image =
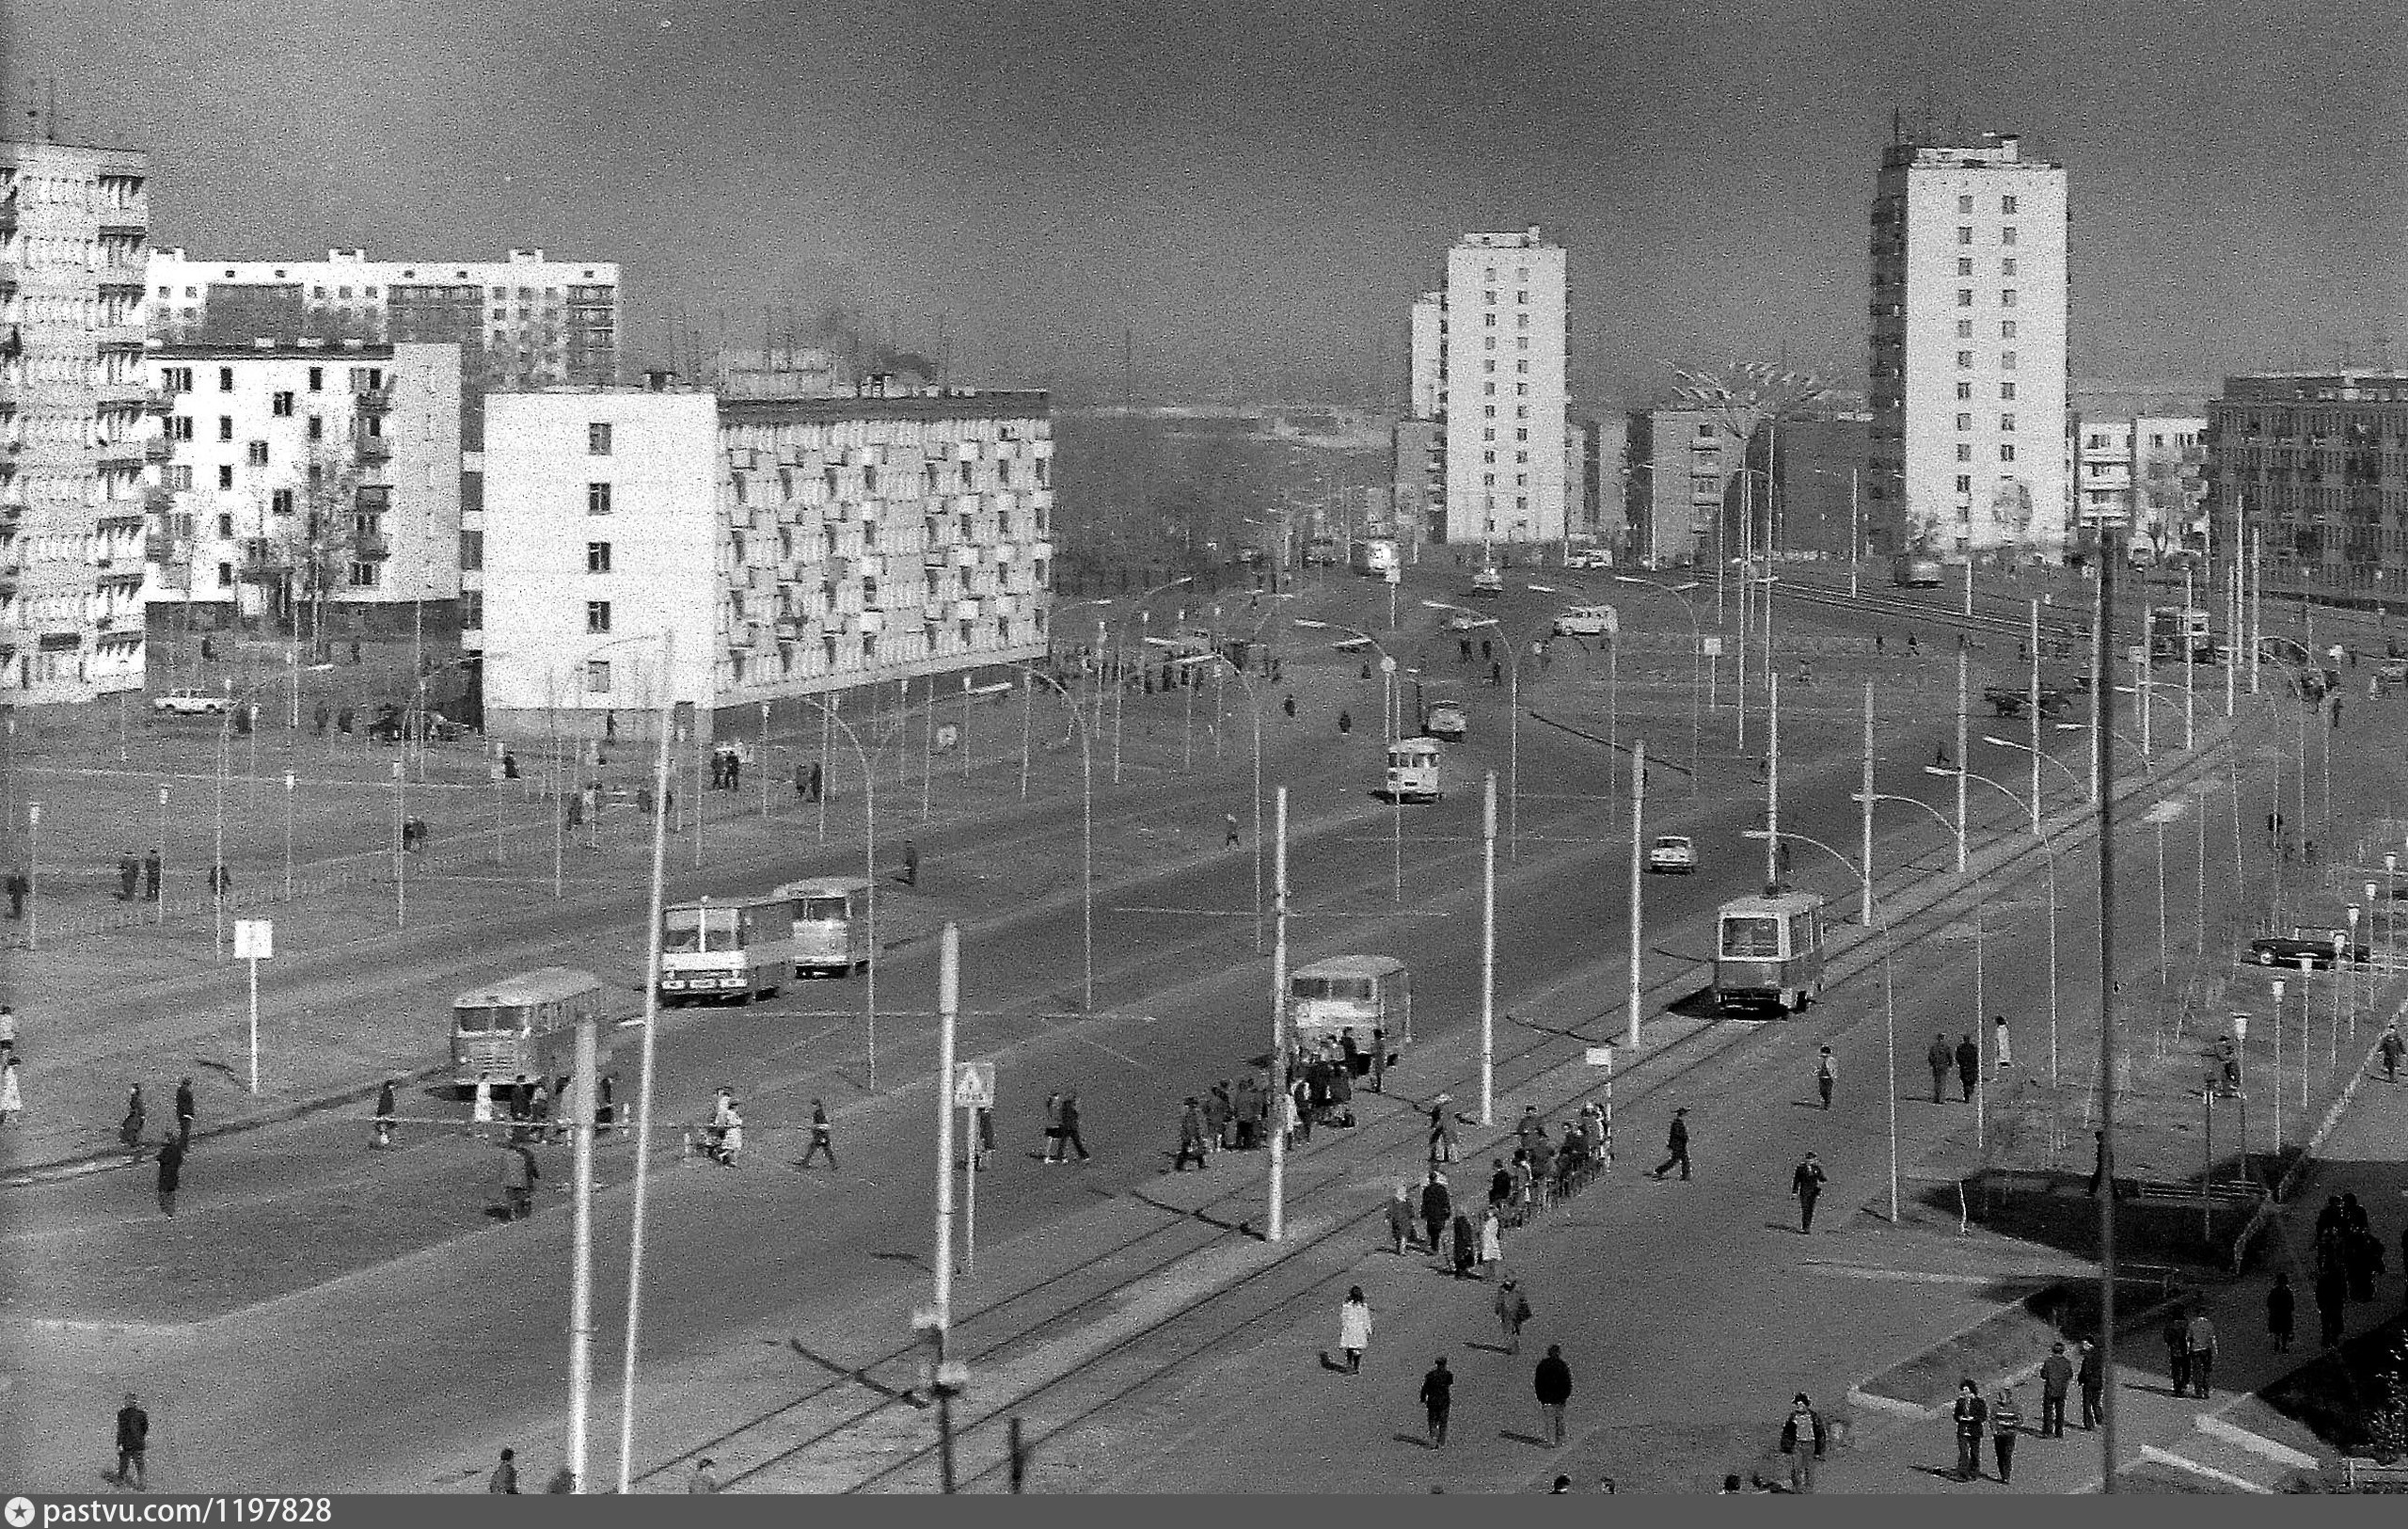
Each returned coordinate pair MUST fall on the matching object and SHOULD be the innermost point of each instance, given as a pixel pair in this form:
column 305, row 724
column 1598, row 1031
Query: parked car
column 1586, row 621
column 1447, row 723
column 1487, row 584
column 2316, row 944
column 1464, row 621
column 1589, row 557
column 1671, row 854
column 190, row 703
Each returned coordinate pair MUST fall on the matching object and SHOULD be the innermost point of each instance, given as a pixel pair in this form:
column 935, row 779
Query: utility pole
column 1864, row 819
column 1964, row 664
column 2034, row 642
column 1773, row 785
column 1488, row 950
column 1638, row 859
column 1277, row 1219
column 2103, row 689
column 580, row 1301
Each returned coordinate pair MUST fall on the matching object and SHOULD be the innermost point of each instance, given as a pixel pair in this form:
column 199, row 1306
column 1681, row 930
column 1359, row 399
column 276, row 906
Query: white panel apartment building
column 74, row 229
column 1969, row 363
column 524, row 321
column 305, row 481
column 791, row 547
column 1487, row 358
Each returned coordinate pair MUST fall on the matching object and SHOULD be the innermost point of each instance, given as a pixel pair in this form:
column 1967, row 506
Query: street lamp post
column 869, row 869
column 1396, row 799
column 1254, row 705
column 2049, row 854
column 1087, row 843
column 1697, row 655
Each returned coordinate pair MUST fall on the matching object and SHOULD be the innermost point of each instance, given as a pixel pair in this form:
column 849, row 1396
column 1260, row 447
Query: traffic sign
column 1387, row 665
column 2136, row 655
column 254, row 939
column 974, row 1085
column 1713, row 646
column 1600, row 1056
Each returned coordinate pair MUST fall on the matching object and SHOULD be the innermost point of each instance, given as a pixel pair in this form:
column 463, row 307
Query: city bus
column 1413, row 770
column 524, row 1025
column 1360, row 993
column 1915, row 570
column 733, row 949
column 1768, row 953
column 831, row 925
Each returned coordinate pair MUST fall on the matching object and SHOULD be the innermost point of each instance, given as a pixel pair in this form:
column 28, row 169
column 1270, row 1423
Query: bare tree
column 302, row 554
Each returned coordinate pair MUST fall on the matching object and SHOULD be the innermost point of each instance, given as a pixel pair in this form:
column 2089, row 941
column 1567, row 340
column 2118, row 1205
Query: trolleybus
column 1768, row 952
column 735, row 948
column 832, row 924
column 1362, row 993
column 524, row 1026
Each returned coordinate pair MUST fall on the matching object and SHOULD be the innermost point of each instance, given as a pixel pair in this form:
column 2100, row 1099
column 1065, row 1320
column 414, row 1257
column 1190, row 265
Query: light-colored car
column 1446, row 722
column 1671, row 854
column 1592, row 557
column 189, row 703
column 1488, row 583
column 1464, row 621
column 1586, row 621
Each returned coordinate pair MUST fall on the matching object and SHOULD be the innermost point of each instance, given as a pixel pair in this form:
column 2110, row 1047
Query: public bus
column 1362, row 993
column 737, row 947
column 1915, row 570
column 1413, row 770
column 831, row 925
column 524, row 1025
column 1768, row 953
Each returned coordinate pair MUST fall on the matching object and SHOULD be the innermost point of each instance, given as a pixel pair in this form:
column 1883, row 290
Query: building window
column 177, row 378
column 1964, row 296
column 597, row 677
column 226, row 528
column 2006, row 421
column 2007, row 267
column 317, row 428
column 597, row 440
column 1964, row 329
column 598, row 557
column 180, row 479
column 1965, row 204
column 259, row 454
column 1964, row 482
column 225, row 379
column 1964, row 421
column 225, row 576
column 1965, row 266
column 2007, row 329
column 2006, row 235
column 598, row 498
column 597, row 616
column 363, row 575
column 1964, row 357
column 473, row 551
column 224, row 427
column 2007, row 391
column 281, row 405
column 317, row 380
column 2007, row 452
column 2006, row 205
column 1964, row 389
column 2007, row 359
column 1964, row 451
column 180, row 428
column 2006, row 298
column 225, row 475
column 1964, row 234
column 1488, row 319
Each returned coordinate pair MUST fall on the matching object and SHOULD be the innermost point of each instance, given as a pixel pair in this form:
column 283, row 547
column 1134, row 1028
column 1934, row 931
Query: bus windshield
column 477, row 1021
column 821, row 910
column 1353, row 989
column 686, row 930
column 1757, row 937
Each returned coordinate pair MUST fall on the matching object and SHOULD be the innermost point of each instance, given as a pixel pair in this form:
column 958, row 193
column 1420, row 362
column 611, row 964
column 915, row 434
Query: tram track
column 1295, row 1274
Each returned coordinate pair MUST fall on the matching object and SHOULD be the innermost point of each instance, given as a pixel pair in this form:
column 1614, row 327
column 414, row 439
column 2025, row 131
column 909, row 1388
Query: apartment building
column 2317, row 466
column 74, row 233
column 1486, row 365
column 314, row 485
column 788, row 547
column 1968, row 350
column 2145, row 476
column 524, row 321
column 1677, row 466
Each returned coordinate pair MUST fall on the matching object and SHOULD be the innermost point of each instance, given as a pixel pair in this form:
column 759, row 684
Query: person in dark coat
column 2281, row 1306
column 1676, row 1145
column 1345, row 722
column 2091, row 1375
column 1552, row 1384
column 129, row 1129
column 171, row 1170
column 184, row 1111
column 1400, row 1217
column 1969, row 1067
column 1970, row 1415
column 1940, row 1056
column 1806, row 1184
column 133, row 1441
column 1070, row 1141
column 1501, row 1184
column 1466, row 1245
column 910, row 864
column 128, row 876
column 385, row 1112
column 1436, row 1206
column 150, row 877
column 1191, row 1138
column 2177, row 1352
column 1437, row 1400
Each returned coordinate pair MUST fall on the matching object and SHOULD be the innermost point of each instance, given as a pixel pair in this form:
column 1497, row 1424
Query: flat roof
column 1783, row 902
column 279, row 349
column 1350, row 966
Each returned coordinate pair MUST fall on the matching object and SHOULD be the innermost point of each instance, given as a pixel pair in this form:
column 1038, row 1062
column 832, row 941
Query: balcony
column 158, row 449
column 374, row 447
column 159, row 400
column 159, row 549
column 372, row 547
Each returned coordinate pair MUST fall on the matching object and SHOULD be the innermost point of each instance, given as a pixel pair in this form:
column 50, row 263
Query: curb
column 2245, row 1243
column 2152, row 1454
column 1855, row 1391
column 2214, row 1427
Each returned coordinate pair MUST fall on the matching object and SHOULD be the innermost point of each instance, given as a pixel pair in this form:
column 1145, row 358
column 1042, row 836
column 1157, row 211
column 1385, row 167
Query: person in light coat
column 1492, row 1242
column 1354, row 1329
column 13, row 1101
column 481, row 1103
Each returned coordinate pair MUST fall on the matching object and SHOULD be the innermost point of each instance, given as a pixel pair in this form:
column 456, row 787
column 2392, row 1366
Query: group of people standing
column 1239, row 1117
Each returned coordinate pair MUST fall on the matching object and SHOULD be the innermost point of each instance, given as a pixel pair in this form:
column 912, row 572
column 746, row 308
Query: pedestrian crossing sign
column 974, row 1086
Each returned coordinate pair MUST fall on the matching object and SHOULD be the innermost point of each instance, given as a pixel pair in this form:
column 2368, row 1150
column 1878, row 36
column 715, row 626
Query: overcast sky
column 1266, row 185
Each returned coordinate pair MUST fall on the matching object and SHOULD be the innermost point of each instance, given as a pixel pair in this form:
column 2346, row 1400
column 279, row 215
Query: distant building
column 793, row 547
column 74, row 232
column 1487, row 366
column 524, row 321
column 2145, row 477
column 1677, row 464
column 2313, row 464
column 1969, row 371
column 1815, row 462
column 1417, row 480
column 1580, row 479
column 315, row 485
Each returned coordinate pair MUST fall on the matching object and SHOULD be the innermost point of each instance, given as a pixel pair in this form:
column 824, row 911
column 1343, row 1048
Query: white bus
column 524, row 1027
column 832, row 924
column 1360, row 993
column 735, row 948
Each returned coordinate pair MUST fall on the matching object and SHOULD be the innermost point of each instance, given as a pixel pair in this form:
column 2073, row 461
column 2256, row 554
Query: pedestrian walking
column 2006, row 1423
column 2056, row 1383
column 1970, row 1416
column 150, row 877
column 385, row 1106
column 128, row 876
column 2391, row 1045
column 1941, row 1059
column 2202, row 1338
column 704, row 1481
column 1190, row 1138
column 1492, row 1242
column 1354, row 1329
column 1552, row 1382
column 1806, row 1183
column 1053, row 1127
column 133, row 1441
column 505, row 1476
column 1437, row 1400
column 1070, row 1139
column 128, row 1130
column 12, row 1099
column 1802, row 1440
column 1345, row 722
column 518, row 1176
column 1676, row 1145
column 1512, row 1310
column 18, row 888
column 1401, row 1218
column 171, row 1174
column 2331, row 1297
column 2177, row 1353
column 2003, row 1050
column 185, row 1110
column 2281, row 1312
column 1229, row 826
column 1437, row 1205
column 1969, row 1068
column 7, row 1029
column 822, row 1137
column 2091, row 1375
column 1827, row 1075
column 910, row 864
column 1466, row 1244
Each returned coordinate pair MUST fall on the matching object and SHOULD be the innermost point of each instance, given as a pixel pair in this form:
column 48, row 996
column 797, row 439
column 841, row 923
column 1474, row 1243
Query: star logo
column 20, row 1512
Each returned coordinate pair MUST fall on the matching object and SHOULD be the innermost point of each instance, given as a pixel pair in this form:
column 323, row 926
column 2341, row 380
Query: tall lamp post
column 1696, row 654
column 1086, row 841
column 869, row 870
column 1254, row 705
column 1389, row 673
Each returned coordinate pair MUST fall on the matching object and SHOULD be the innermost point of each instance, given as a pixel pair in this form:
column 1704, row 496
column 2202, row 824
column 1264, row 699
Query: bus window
column 1359, row 991
column 476, row 1021
column 1309, row 987
column 1801, row 932
column 824, row 910
column 1758, row 938
column 681, row 931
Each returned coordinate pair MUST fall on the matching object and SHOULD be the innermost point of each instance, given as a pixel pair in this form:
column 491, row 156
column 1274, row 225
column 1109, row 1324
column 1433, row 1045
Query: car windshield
column 819, row 909
column 1672, row 843
column 1751, row 937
